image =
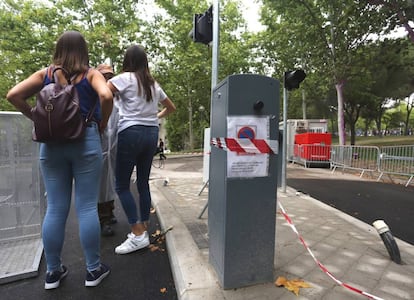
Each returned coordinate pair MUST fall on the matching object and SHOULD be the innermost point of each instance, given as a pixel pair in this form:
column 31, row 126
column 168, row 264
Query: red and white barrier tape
column 244, row 145
column 321, row 266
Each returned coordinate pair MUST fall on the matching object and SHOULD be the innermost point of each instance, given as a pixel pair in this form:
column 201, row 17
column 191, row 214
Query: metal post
column 214, row 67
column 190, row 119
column 303, row 104
column 284, row 148
column 216, row 40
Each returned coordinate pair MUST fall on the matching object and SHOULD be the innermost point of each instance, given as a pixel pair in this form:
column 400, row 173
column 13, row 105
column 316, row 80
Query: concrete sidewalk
column 351, row 250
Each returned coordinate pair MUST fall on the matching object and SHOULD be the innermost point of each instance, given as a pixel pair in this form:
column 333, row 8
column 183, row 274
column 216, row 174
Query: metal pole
column 214, row 68
column 284, row 145
column 303, row 104
column 190, row 118
column 216, row 39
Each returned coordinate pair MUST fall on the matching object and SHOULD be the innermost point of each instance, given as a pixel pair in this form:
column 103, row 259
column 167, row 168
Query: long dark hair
column 136, row 61
column 71, row 52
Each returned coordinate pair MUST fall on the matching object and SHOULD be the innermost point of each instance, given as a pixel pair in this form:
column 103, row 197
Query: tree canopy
column 351, row 69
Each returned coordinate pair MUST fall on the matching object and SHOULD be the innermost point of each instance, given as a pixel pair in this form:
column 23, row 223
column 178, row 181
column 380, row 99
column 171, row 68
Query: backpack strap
column 53, row 77
column 76, row 75
column 49, row 73
column 89, row 116
column 68, row 78
column 85, row 74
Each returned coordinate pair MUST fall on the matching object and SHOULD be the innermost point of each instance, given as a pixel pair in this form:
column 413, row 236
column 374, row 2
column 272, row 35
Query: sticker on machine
column 245, row 129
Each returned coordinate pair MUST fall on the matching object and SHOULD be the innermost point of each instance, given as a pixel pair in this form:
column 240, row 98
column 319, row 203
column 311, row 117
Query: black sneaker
column 53, row 278
column 93, row 278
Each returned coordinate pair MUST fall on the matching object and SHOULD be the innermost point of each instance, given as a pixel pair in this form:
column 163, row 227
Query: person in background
column 161, row 149
column 107, row 193
column 138, row 98
column 63, row 164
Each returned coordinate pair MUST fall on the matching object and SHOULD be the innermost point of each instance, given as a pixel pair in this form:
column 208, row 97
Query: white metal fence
column 21, row 206
column 360, row 158
column 397, row 162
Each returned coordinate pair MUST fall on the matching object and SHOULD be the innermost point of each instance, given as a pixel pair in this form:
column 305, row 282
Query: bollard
column 388, row 239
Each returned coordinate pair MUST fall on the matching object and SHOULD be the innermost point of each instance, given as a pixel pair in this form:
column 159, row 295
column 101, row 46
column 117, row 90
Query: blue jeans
column 136, row 147
column 61, row 166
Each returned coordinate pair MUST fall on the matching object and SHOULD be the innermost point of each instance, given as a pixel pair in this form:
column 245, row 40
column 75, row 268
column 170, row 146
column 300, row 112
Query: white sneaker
column 133, row 243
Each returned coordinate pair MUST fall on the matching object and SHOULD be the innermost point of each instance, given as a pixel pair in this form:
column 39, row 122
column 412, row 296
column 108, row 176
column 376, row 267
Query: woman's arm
column 113, row 89
column 98, row 83
column 169, row 107
column 19, row 94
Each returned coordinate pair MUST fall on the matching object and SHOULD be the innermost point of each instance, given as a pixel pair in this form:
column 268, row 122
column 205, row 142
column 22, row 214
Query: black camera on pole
column 202, row 31
column 293, row 79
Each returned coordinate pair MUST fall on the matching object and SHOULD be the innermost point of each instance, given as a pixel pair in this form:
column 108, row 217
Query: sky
column 251, row 14
column 250, row 10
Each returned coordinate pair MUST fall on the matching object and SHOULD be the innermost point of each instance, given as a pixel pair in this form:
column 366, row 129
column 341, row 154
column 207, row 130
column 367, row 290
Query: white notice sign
column 247, row 164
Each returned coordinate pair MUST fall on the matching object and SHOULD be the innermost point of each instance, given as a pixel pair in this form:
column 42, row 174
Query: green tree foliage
column 184, row 68
column 348, row 72
column 389, row 66
column 324, row 36
column 397, row 12
column 30, row 29
column 28, row 35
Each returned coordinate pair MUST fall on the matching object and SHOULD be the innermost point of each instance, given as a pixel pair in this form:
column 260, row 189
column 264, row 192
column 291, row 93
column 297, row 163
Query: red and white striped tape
column 321, row 266
column 245, row 145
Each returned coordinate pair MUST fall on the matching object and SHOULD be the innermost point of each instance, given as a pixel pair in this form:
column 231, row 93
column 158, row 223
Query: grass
column 389, row 140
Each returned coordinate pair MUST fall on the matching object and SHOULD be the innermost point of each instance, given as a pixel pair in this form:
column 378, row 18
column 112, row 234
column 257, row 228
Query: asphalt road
column 365, row 200
column 144, row 274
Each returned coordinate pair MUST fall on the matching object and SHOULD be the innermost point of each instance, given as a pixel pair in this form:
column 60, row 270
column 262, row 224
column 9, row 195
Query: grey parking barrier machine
column 243, row 186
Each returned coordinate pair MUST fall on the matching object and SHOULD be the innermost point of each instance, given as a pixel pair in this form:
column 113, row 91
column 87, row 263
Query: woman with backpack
column 65, row 163
column 139, row 96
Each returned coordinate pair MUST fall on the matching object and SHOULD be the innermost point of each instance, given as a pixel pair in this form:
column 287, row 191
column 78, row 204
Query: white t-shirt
column 133, row 108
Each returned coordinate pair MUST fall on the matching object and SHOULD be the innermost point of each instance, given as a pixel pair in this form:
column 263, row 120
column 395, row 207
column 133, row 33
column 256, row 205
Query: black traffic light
column 202, row 31
column 293, row 79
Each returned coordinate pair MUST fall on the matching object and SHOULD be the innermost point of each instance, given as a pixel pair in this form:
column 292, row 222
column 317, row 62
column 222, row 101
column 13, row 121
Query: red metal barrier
column 313, row 146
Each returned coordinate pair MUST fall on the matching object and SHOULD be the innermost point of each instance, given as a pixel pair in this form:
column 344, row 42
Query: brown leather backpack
column 57, row 116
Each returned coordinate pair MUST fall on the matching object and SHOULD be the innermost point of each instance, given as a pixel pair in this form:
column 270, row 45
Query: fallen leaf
column 280, row 281
column 154, row 248
column 292, row 285
column 163, row 290
column 156, row 233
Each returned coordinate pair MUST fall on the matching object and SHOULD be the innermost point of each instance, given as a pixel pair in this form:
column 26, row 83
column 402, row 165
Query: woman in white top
column 139, row 98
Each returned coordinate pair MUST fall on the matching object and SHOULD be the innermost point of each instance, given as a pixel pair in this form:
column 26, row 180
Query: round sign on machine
column 246, row 132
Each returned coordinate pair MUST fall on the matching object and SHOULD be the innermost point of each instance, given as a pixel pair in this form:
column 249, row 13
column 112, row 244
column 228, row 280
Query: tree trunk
column 379, row 124
column 341, row 120
column 407, row 119
column 352, row 128
column 366, row 123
